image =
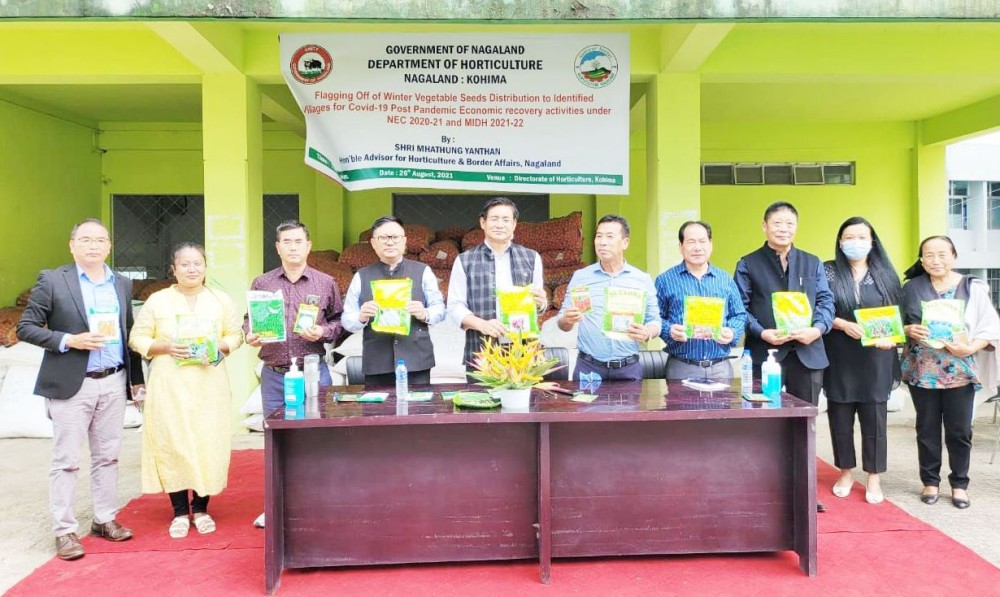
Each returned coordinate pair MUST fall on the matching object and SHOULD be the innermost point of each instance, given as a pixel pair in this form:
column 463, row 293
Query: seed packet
column 703, row 316
column 945, row 318
column 580, row 296
column 373, row 397
column 880, row 323
column 622, row 307
column 306, row 318
column 517, row 311
column 266, row 312
column 391, row 297
column 419, row 396
column 200, row 335
column 792, row 311
column 581, row 397
column 106, row 323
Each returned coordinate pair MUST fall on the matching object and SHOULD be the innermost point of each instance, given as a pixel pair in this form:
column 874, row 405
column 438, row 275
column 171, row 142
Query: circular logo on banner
column 311, row 64
column 596, row 66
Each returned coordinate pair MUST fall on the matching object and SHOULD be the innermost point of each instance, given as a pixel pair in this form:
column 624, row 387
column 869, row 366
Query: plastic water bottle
column 402, row 381
column 746, row 374
column 295, row 386
column 770, row 376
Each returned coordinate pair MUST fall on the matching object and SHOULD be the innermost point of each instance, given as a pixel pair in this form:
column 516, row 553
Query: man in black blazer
column 81, row 314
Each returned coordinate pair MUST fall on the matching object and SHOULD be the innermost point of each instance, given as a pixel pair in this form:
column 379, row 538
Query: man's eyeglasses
column 387, row 239
column 86, row 240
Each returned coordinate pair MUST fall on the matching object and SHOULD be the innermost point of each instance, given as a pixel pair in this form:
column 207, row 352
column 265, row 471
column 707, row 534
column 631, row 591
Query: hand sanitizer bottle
column 770, row 375
column 295, row 386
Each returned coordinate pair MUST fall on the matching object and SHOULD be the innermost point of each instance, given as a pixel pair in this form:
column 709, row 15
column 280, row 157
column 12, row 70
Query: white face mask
column 856, row 249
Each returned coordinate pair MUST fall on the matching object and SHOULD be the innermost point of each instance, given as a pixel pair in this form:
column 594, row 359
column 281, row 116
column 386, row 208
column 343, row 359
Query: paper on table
column 705, row 385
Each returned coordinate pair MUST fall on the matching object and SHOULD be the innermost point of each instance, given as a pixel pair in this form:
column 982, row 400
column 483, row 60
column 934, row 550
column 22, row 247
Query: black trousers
column 873, row 436
column 952, row 408
column 800, row 381
column 179, row 500
column 389, row 379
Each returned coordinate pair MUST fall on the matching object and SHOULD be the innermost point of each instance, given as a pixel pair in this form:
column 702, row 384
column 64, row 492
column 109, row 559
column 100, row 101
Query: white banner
column 517, row 112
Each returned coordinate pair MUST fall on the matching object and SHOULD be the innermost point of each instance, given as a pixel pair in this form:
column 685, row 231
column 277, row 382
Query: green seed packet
column 419, row 396
column 622, row 307
column 200, row 334
column 347, row 397
column 878, row 323
column 266, row 312
column 449, row 395
column 373, row 397
column 945, row 318
column 588, row 398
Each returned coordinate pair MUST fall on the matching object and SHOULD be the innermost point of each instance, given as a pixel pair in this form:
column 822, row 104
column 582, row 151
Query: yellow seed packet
column 391, row 297
column 792, row 311
column 622, row 307
column 517, row 311
column 703, row 317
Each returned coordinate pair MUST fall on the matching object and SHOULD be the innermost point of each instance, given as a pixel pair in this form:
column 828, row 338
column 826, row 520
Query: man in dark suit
column 81, row 314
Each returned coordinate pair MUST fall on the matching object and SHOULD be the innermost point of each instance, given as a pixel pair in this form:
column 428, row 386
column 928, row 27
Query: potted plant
column 512, row 370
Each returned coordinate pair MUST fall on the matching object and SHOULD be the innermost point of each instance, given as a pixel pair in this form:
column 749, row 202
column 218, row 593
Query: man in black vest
column 497, row 263
column 380, row 351
column 778, row 267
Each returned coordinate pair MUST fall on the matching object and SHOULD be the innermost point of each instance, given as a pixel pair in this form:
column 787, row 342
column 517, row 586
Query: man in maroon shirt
column 299, row 284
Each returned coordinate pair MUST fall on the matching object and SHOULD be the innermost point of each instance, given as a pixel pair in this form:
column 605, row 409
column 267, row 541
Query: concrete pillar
column 233, row 157
column 930, row 196
column 673, row 162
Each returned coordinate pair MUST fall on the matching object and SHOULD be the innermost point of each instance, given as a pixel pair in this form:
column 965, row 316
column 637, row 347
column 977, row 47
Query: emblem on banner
column 311, row 64
column 596, row 66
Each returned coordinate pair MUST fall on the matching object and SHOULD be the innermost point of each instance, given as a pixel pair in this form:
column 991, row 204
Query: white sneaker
column 259, row 522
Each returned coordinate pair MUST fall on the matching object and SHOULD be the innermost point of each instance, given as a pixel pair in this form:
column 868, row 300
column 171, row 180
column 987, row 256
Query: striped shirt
column 675, row 284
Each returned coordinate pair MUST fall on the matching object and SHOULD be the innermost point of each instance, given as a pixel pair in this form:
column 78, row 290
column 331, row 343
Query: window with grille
column 146, row 228
column 993, row 279
column 958, row 213
column 993, row 205
column 787, row 173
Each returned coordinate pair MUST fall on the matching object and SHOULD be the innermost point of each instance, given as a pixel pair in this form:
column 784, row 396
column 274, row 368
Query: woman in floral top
column 944, row 375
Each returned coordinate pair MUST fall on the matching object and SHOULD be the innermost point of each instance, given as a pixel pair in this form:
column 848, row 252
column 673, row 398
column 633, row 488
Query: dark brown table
column 647, row 468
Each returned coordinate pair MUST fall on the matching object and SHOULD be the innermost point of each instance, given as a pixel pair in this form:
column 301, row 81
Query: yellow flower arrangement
column 519, row 365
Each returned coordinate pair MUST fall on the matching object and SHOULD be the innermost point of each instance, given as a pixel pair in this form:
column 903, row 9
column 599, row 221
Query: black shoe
column 960, row 503
column 930, row 499
column 820, row 507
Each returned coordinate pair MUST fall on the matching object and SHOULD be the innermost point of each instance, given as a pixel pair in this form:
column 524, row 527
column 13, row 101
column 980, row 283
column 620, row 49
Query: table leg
column 804, row 484
column 274, row 523
column 544, row 505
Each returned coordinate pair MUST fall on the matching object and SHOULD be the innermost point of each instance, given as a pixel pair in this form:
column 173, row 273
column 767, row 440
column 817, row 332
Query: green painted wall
column 51, row 173
column 883, row 153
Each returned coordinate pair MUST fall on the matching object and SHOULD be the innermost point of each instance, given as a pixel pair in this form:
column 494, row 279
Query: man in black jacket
column 779, row 267
column 81, row 314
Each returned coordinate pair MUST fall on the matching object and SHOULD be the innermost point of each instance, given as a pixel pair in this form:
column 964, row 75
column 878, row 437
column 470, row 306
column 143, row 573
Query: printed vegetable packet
column 792, row 311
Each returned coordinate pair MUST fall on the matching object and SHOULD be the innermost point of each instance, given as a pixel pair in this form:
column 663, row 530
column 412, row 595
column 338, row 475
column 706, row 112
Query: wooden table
column 647, row 468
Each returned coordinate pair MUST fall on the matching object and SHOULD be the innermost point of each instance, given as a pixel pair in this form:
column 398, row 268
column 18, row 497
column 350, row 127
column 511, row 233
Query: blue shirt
column 590, row 339
column 101, row 297
column 675, row 284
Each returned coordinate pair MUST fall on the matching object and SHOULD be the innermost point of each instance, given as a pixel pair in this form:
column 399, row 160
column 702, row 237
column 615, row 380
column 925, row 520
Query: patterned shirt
column 312, row 283
column 932, row 368
column 676, row 283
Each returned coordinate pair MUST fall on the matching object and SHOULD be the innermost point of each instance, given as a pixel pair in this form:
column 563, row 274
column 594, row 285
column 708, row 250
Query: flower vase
column 515, row 400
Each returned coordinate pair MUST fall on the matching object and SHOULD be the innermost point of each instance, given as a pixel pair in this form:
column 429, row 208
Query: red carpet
column 863, row 550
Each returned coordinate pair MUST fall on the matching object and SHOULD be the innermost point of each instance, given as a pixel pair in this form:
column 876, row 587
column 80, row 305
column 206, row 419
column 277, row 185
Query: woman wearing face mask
column 859, row 379
column 943, row 380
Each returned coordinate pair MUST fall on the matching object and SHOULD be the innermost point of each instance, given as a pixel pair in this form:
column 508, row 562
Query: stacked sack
column 9, row 316
column 327, row 261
